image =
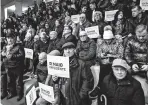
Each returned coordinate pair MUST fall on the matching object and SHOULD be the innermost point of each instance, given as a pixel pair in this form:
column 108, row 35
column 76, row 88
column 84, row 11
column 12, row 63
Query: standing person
column 121, row 88
column 75, row 89
column 14, row 64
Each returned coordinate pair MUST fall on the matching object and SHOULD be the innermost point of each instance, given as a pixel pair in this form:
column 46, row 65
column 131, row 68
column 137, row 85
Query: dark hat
column 68, row 45
column 11, row 34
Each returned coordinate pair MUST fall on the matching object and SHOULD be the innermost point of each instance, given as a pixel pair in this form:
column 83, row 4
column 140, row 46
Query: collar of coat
column 73, row 62
column 124, row 82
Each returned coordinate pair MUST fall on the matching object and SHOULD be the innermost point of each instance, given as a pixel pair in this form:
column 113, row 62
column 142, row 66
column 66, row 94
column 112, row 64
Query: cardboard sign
column 58, row 65
column 109, row 15
column 92, row 32
column 144, row 4
column 46, row 92
column 31, row 96
column 28, row 53
column 75, row 18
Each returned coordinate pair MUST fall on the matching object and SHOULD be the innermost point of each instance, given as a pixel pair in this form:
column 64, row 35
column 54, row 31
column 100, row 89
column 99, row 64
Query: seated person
column 109, row 49
column 121, row 88
column 136, row 54
column 54, row 40
column 86, row 49
column 43, row 77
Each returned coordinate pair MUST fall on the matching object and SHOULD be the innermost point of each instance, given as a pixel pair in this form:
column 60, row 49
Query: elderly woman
column 121, row 88
column 107, row 51
column 98, row 20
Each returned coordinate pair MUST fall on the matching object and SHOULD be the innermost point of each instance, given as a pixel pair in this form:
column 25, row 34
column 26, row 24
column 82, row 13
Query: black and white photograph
column 74, row 52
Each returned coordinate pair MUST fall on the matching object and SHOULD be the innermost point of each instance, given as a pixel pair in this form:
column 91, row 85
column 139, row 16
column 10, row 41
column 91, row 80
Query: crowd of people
column 121, row 51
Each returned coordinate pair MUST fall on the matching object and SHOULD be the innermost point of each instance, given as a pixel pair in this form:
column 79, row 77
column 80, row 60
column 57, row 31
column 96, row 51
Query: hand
column 9, row 56
column 40, row 95
column 135, row 67
column 3, row 53
column 37, row 88
column 130, row 35
column 144, row 68
column 54, row 78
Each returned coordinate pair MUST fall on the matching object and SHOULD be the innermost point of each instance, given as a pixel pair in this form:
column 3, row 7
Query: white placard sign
column 28, row 53
column 109, row 15
column 31, row 96
column 57, row 1
column 92, row 32
column 58, row 65
column 46, row 92
column 144, row 4
column 75, row 18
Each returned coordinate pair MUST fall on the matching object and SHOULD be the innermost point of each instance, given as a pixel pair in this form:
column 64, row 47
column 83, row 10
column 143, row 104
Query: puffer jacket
column 136, row 52
column 18, row 55
column 127, row 91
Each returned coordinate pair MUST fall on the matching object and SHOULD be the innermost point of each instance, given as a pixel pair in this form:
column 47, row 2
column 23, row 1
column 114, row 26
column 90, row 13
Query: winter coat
column 136, row 21
column 63, row 40
column 42, row 72
column 136, row 52
column 123, row 29
column 59, row 29
column 53, row 45
column 17, row 60
column 127, row 91
column 86, row 50
column 78, row 85
column 115, row 48
column 41, row 46
column 116, row 7
column 82, row 27
column 29, row 44
column 101, row 24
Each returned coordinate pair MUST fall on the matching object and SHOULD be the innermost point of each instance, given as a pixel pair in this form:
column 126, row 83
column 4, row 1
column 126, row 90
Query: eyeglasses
column 83, row 36
column 82, row 17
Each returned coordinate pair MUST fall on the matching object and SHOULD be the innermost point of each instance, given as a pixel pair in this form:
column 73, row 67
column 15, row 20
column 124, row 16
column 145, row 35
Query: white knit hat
column 108, row 34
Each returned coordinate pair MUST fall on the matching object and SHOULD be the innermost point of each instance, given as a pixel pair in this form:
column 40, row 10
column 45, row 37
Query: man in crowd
column 86, row 49
column 121, row 88
column 136, row 53
column 67, row 37
column 84, row 23
column 14, row 64
column 54, row 40
column 80, row 82
column 138, row 17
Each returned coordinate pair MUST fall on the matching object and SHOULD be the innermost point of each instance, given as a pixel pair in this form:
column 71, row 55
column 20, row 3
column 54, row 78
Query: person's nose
column 119, row 71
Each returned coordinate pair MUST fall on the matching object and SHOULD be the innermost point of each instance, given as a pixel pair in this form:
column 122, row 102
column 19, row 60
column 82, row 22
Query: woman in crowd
column 107, row 51
column 122, row 27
